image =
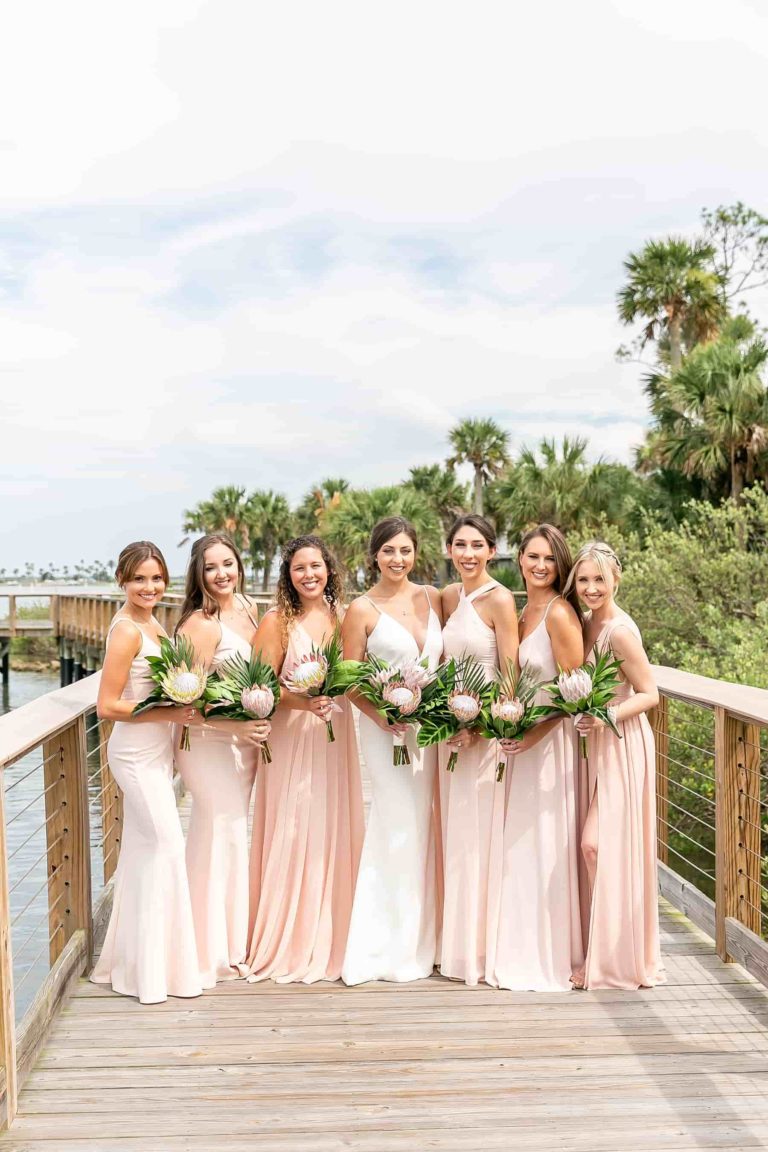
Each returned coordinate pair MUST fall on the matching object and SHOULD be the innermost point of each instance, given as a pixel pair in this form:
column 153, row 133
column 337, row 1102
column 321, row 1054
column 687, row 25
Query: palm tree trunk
column 675, row 343
column 477, row 502
column 268, row 558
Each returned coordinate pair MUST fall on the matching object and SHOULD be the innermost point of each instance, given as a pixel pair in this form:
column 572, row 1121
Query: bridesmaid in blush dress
column 220, row 766
column 149, row 949
column 619, row 834
column 393, row 934
column 308, row 806
column 539, row 942
column 480, row 621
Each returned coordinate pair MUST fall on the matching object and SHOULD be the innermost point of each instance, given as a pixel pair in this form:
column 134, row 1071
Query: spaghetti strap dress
column 219, row 770
column 623, row 914
column 306, row 842
column 539, row 941
column 393, row 933
column 149, row 949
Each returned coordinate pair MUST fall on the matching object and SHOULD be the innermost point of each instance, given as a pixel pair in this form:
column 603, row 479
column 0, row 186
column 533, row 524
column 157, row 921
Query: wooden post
column 659, row 718
column 69, row 863
column 11, row 616
column 737, row 872
column 111, row 805
column 7, row 1006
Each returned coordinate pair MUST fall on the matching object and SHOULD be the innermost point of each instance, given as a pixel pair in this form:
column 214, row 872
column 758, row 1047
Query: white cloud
column 259, row 245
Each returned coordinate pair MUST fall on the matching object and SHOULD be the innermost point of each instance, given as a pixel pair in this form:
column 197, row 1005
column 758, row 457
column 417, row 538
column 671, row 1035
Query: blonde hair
column 605, row 559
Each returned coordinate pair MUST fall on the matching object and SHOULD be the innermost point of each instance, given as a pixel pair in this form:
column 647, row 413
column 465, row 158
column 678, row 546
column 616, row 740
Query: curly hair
column 287, row 598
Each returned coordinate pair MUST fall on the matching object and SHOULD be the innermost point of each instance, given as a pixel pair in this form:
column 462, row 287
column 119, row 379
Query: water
column 27, row 849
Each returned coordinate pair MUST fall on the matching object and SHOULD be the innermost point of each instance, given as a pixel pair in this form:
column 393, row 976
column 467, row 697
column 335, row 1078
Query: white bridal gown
column 393, row 930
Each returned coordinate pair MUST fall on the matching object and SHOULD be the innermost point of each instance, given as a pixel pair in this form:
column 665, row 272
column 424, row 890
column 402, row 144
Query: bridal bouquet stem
column 465, row 691
column 510, row 711
column 323, row 673
column 179, row 678
column 243, row 689
column 399, row 692
column 588, row 691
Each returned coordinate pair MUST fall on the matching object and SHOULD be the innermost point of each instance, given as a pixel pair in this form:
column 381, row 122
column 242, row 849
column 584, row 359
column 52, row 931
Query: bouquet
column 465, row 692
column 179, row 677
column 511, row 711
column 588, row 691
column 397, row 692
column 245, row 690
column 323, row 673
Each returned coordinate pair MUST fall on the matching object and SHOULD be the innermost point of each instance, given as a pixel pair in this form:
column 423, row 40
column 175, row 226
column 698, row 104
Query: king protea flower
column 308, row 675
column 509, row 710
column 465, row 706
column 184, row 685
column 404, row 698
column 259, row 701
column 575, row 687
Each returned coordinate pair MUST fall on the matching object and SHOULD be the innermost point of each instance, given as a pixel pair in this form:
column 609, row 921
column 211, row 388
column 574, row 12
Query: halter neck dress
column 219, row 771
column 539, row 943
column 149, row 949
column 306, row 841
column 393, row 932
column 472, row 816
column 622, row 924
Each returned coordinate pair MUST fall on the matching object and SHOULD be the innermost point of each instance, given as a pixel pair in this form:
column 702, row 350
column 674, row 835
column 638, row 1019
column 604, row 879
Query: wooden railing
column 61, row 817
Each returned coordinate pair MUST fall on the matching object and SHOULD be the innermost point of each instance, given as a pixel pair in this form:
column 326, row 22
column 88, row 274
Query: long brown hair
column 563, row 561
column 287, row 597
column 196, row 595
column 133, row 555
column 472, row 520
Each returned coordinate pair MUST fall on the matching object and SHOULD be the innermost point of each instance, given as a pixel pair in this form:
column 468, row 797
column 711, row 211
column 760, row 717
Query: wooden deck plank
column 431, row 1065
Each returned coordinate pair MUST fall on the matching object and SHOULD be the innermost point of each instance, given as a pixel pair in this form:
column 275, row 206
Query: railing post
column 659, row 718
column 737, row 826
column 69, row 850
column 111, row 806
column 11, row 616
column 7, row 1006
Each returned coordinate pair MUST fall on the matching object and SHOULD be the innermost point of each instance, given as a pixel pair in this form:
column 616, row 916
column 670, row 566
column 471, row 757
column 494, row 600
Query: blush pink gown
column 306, row 842
column 149, row 949
column 472, row 815
column 539, row 942
column 623, row 916
column 219, row 773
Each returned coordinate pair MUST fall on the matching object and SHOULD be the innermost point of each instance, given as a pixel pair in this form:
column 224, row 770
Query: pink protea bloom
column 575, row 686
column 258, row 701
column 405, row 698
column 511, row 711
column 465, row 706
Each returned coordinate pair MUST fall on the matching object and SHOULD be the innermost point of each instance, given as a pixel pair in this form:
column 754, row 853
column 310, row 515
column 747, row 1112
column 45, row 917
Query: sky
column 259, row 244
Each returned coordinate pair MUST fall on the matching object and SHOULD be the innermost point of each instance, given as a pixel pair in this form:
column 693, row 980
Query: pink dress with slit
column 623, row 913
column 306, row 842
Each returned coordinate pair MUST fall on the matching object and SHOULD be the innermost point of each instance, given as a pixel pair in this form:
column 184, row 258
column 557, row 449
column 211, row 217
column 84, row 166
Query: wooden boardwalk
column 429, row 1065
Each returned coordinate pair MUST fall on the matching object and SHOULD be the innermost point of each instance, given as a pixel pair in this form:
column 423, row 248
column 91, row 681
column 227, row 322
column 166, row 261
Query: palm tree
column 484, row 445
column 561, row 486
column 348, row 525
column 444, row 494
column 713, row 415
column 271, row 524
column 225, row 511
column 673, row 287
column 317, row 500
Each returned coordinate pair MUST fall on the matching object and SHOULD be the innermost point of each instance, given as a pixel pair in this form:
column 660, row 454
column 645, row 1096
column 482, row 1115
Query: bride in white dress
column 393, row 931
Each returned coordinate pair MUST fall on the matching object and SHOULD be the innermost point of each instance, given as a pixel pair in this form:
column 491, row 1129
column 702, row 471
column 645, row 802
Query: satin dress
column 393, row 933
column 149, row 949
column 219, row 770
